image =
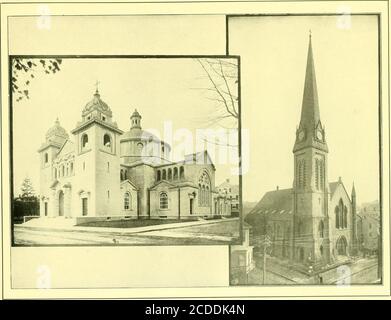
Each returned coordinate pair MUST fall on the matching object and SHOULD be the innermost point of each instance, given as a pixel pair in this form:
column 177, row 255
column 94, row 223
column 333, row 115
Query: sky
column 273, row 54
column 164, row 91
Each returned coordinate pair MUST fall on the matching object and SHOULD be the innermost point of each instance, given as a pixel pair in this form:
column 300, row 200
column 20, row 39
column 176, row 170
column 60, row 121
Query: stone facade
column 104, row 172
column 315, row 221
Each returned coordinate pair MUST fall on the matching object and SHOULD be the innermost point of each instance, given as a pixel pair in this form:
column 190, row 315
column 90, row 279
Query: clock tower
column 311, row 238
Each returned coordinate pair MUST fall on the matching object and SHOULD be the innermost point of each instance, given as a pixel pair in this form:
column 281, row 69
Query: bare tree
column 24, row 70
column 222, row 75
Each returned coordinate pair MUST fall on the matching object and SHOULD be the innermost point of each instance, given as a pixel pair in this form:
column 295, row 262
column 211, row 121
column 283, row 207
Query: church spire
column 310, row 106
column 310, row 131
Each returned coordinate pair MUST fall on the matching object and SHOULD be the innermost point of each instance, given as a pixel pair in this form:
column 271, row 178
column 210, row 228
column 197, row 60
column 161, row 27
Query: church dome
column 57, row 131
column 97, row 104
column 140, row 134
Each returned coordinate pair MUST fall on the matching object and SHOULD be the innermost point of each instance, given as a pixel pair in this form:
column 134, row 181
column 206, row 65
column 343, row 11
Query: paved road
column 362, row 271
column 223, row 232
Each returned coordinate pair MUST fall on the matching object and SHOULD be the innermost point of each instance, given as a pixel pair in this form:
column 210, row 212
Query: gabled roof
column 277, row 201
column 67, row 147
column 162, row 182
column 127, row 181
column 281, row 201
column 333, row 186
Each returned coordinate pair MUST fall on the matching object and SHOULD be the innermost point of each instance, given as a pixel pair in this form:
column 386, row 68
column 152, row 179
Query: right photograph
column 310, row 101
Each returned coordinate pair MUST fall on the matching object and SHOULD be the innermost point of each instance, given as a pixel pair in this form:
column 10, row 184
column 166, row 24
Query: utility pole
column 266, row 243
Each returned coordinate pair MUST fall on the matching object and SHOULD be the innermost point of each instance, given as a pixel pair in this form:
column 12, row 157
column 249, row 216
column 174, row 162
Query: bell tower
column 311, row 239
column 97, row 161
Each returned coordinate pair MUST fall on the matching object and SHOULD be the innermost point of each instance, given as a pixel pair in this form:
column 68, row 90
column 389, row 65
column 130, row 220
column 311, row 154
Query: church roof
column 139, row 134
column 277, row 201
column 97, row 104
column 281, row 201
column 56, row 131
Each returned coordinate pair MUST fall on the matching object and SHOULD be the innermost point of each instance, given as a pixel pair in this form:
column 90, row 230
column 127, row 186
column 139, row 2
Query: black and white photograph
column 312, row 202
column 124, row 150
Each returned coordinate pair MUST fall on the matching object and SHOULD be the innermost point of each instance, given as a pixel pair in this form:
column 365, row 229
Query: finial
column 96, row 87
column 57, row 121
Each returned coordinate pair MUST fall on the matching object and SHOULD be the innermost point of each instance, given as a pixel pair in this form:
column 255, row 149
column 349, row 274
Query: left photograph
column 125, row 150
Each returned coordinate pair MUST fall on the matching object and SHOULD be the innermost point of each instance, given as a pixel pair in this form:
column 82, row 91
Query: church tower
column 311, row 239
column 97, row 161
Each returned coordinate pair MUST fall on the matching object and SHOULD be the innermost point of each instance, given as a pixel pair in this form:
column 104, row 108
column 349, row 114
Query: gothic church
column 313, row 222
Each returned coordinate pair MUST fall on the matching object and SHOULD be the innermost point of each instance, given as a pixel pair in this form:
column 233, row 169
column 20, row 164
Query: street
column 221, row 232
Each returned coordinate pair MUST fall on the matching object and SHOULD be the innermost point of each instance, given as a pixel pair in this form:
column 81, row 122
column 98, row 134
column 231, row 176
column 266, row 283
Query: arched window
column 181, row 173
column 164, row 176
column 121, row 174
column 301, row 174
column 84, row 141
column 169, row 174
column 317, row 174
column 71, row 167
column 336, row 217
column 63, row 171
column 321, row 174
column 158, row 175
column 341, row 215
column 163, row 200
column 204, row 187
column 125, row 174
column 46, row 158
column 107, row 141
column 127, row 201
column 345, row 217
column 175, row 173
column 321, row 229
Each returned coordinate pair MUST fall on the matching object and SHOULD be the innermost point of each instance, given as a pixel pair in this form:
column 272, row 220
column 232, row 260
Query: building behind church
column 314, row 222
column 103, row 172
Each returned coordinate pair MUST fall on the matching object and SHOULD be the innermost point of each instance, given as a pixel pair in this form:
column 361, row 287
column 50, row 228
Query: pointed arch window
column 181, row 173
column 317, row 171
column 345, row 217
column 321, row 174
column 158, row 175
column 169, row 174
column 301, row 174
column 336, row 217
column 175, row 174
column 164, row 176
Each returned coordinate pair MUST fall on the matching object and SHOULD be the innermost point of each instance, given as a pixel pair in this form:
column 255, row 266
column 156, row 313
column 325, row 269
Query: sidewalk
column 128, row 230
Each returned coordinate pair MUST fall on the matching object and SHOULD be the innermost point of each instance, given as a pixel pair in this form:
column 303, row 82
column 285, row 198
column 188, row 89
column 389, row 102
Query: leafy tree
column 24, row 70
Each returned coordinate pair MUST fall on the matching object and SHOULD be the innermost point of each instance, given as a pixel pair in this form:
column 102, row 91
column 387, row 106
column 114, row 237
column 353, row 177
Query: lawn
column 131, row 223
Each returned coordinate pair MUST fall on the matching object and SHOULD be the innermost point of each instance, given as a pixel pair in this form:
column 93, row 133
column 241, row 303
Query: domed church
column 103, row 172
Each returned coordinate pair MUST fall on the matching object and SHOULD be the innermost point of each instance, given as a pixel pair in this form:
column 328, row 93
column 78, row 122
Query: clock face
column 319, row 135
column 301, row 135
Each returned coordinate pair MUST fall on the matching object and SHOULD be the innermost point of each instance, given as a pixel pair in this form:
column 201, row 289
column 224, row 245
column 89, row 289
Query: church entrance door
column 84, row 206
column 342, row 246
column 61, row 203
